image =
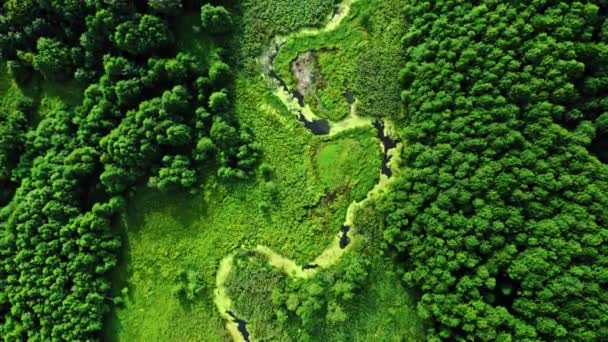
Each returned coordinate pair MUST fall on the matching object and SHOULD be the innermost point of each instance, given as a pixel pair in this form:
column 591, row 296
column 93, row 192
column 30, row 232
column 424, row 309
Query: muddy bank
column 305, row 70
column 315, row 126
column 275, row 76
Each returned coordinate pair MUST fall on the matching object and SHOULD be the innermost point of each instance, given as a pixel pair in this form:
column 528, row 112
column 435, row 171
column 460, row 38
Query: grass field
column 295, row 207
column 169, row 234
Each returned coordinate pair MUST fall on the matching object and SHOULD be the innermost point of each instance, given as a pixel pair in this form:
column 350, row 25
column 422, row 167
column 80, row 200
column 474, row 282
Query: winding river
column 347, row 235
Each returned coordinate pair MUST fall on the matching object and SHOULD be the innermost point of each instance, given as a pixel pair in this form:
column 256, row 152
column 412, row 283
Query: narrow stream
column 242, row 325
column 295, row 102
column 316, row 127
column 309, row 267
column 344, row 239
column 388, row 143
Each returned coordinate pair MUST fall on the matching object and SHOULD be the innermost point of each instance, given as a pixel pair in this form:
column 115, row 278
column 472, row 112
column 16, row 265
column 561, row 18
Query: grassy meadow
column 295, row 206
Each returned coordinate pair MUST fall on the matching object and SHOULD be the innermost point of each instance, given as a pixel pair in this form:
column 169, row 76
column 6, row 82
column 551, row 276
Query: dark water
column 273, row 74
column 344, row 239
column 388, row 144
column 242, row 325
column 298, row 96
column 309, row 267
column 348, row 95
column 316, row 127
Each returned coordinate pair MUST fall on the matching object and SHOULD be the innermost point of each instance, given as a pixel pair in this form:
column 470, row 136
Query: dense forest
column 149, row 113
column 501, row 210
column 323, row 170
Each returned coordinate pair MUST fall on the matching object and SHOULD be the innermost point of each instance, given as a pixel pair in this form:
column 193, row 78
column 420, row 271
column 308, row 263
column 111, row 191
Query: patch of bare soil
column 305, row 70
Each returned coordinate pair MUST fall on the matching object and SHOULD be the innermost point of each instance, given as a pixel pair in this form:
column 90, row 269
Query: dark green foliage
column 18, row 10
column 215, row 19
column 127, row 92
column 142, row 36
column 20, row 71
column 170, row 7
column 220, row 73
column 500, row 211
column 176, row 172
column 143, row 118
column 204, row 150
column 54, row 250
column 12, row 138
column 322, row 298
column 44, row 34
column 52, row 60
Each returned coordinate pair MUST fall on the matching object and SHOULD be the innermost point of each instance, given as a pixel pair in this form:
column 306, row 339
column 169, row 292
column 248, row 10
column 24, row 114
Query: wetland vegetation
column 321, row 170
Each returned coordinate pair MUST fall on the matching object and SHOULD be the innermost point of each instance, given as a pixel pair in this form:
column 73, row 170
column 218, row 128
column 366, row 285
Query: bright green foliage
column 501, row 211
column 333, row 160
column 324, row 296
column 376, row 82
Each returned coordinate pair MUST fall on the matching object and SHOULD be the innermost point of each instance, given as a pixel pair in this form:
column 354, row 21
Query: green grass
column 304, row 202
column 376, row 82
column 349, row 159
column 48, row 96
column 167, row 234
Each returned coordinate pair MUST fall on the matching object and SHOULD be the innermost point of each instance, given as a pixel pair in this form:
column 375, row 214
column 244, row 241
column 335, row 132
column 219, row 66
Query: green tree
column 215, row 19
column 169, row 7
column 143, row 36
column 53, row 59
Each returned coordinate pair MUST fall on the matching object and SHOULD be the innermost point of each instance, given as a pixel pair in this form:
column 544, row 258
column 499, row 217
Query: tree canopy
column 500, row 211
column 146, row 118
